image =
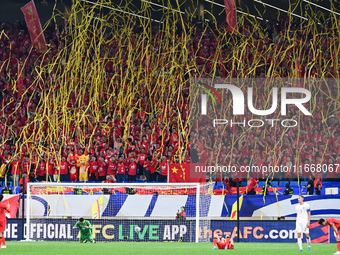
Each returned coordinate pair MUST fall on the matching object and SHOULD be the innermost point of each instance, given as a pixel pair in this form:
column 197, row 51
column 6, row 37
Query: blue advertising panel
column 105, row 230
column 268, row 231
column 167, row 230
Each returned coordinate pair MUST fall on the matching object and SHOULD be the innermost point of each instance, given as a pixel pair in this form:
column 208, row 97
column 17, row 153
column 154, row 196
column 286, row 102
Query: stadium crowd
column 49, row 136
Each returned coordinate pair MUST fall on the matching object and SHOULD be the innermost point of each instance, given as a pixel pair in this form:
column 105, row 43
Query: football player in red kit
column 335, row 224
column 226, row 243
column 4, row 208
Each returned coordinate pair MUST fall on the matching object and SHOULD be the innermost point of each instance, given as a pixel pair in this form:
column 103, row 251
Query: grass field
column 147, row 248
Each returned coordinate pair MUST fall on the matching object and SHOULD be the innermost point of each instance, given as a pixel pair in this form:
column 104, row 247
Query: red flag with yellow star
column 185, row 173
column 13, row 205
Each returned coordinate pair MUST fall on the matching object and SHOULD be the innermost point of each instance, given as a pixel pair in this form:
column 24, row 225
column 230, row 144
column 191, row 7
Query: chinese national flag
column 13, row 205
column 230, row 10
column 185, row 173
column 34, row 27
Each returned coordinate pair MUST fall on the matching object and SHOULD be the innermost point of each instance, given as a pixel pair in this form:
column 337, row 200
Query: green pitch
column 149, row 248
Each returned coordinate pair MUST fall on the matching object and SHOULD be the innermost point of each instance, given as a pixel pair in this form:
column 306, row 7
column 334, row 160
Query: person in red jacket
column 121, row 170
column 23, row 187
column 93, row 169
column 163, row 170
column 226, row 183
column 318, row 184
column 141, row 159
column 335, row 224
column 49, row 169
column 64, row 174
column 150, row 169
column 41, row 171
column 111, row 166
column 132, row 170
column 73, row 161
column 251, row 186
column 15, row 171
column 110, row 179
column 101, row 169
column 26, row 165
column 35, row 163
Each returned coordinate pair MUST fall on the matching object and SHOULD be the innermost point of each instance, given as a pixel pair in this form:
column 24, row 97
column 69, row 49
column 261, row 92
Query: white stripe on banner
column 135, row 205
column 326, row 204
column 286, row 208
column 70, row 205
column 168, row 206
column 216, row 206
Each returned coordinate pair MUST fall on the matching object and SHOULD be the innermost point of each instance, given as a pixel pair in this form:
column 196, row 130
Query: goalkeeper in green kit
column 85, row 228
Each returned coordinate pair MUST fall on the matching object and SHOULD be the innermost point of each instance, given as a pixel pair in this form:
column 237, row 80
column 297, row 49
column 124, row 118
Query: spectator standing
column 93, row 169
column 111, row 166
column 15, row 172
column 121, row 170
column 101, row 169
column 318, row 184
column 132, row 170
column 63, row 170
column 163, row 170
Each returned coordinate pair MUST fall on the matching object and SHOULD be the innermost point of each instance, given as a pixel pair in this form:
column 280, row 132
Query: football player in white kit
column 302, row 222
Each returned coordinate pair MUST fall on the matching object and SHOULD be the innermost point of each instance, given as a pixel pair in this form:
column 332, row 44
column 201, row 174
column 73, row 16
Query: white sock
column 300, row 243
column 308, row 242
